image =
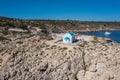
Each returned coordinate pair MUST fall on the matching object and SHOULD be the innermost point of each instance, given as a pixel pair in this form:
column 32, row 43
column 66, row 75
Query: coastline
column 113, row 34
column 80, row 31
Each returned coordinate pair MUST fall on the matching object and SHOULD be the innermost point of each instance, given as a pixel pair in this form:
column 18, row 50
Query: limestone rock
column 31, row 58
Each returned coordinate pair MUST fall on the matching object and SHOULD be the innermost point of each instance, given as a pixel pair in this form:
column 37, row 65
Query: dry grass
column 1, row 60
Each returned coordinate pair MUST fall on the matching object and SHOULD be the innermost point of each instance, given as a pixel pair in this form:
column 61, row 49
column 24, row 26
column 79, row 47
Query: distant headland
column 59, row 25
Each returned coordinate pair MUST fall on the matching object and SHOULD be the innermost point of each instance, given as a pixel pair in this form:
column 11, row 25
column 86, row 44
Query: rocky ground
column 31, row 58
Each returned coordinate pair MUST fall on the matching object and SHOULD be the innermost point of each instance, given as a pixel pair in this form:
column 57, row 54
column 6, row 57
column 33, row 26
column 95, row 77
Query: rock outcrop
column 33, row 59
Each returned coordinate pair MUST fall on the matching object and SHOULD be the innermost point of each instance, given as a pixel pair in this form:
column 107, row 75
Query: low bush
column 3, row 38
column 65, row 48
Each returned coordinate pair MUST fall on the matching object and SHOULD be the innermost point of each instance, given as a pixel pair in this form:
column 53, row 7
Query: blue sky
column 85, row 10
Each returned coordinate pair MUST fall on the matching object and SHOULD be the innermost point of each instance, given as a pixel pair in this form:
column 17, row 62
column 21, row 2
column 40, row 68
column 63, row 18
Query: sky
column 84, row 10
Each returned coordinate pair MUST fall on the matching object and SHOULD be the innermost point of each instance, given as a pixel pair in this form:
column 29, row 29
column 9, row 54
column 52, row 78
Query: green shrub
column 5, row 32
column 74, row 47
column 65, row 48
column 1, row 60
column 19, row 42
column 3, row 38
column 95, row 38
column 83, row 44
column 47, row 48
column 54, row 46
column 70, row 51
column 15, row 54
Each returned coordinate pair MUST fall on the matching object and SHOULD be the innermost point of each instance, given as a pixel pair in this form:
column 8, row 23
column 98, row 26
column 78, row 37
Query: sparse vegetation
column 95, row 39
column 20, row 42
column 65, row 48
column 83, row 44
column 1, row 60
column 29, row 56
column 74, row 47
column 15, row 54
column 105, row 47
column 54, row 45
column 45, row 36
column 42, row 59
column 5, row 32
column 59, row 25
column 47, row 48
column 3, row 38
column 70, row 51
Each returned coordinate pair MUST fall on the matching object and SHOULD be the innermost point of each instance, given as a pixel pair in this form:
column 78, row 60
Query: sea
column 112, row 34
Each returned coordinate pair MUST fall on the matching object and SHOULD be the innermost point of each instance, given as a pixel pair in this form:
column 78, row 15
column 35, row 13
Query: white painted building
column 69, row 37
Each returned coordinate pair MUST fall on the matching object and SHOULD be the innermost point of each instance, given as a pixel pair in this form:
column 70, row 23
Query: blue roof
column 71, row 33
column 67, row 38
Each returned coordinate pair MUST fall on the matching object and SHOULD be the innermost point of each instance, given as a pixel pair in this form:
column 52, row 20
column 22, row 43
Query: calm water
column 114, row 34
